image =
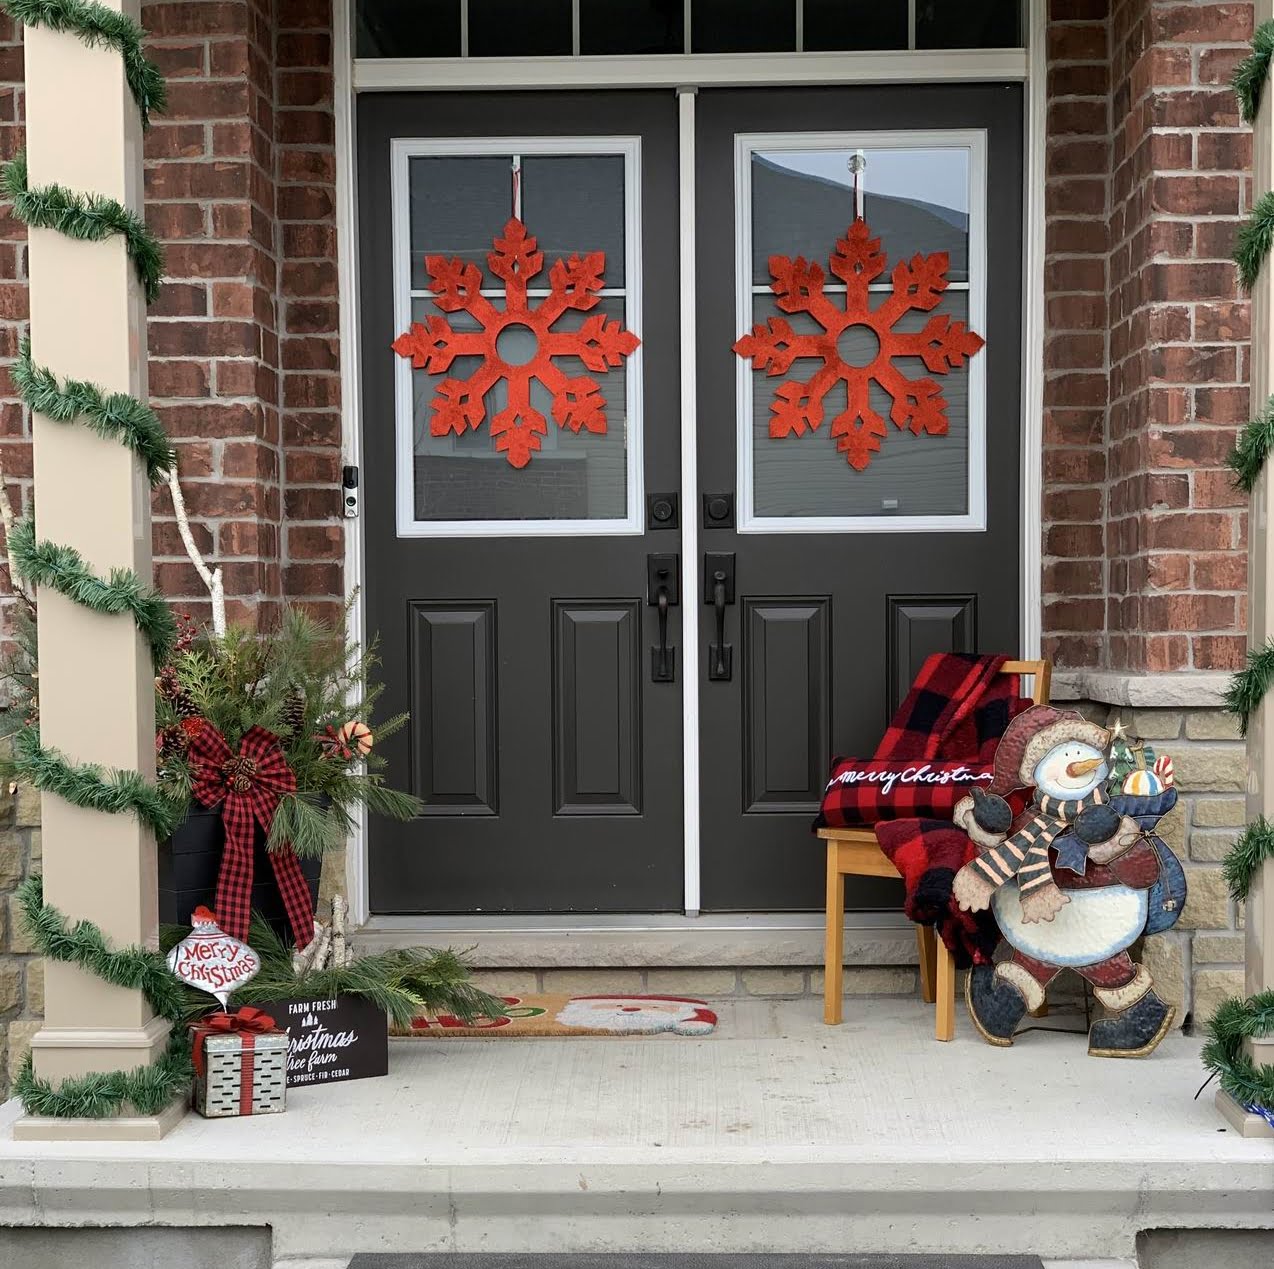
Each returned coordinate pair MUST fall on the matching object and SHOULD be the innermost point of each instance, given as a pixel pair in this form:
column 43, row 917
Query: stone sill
column 871, row 938
column 1184, row 690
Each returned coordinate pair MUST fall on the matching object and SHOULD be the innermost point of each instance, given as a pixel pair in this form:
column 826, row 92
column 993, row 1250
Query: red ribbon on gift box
column 247, row 1023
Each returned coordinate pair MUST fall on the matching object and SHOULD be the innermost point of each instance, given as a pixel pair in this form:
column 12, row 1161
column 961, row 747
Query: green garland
column 1252, row 242
column 97, row 25
column 90, row 786
column 1255, row 440
column 144, row 1091
column 1235, row 1021
column 1252, row 72
column 83, row 944
column 117, row 415
column 1254, row 846
column 64, row 569
column 1248, row 686
column 148, row 1089
column 87, row 217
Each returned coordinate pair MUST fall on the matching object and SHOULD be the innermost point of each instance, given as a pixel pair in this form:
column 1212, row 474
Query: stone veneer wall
column 21, row 974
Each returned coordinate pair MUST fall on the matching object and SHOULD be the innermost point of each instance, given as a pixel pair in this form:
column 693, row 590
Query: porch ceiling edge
column 1182, row 690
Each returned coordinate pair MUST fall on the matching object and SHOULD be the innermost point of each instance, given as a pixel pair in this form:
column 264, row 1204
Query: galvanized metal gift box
column 241, row 1065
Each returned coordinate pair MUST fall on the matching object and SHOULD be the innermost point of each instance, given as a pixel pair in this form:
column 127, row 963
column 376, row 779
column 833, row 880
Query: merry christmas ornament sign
column 211, row 960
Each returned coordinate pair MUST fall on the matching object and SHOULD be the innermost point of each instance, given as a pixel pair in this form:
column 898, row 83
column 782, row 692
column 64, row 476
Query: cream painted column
column 88, row 321
column 1259, row 921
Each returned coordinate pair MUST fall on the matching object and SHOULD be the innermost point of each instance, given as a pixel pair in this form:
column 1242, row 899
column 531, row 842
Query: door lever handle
column 718, row 590
column 721, row 654
column 661, row 594
column 661, row 657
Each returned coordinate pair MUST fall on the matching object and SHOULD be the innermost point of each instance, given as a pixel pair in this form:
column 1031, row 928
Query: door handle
column 662, row 591
column 718, row 590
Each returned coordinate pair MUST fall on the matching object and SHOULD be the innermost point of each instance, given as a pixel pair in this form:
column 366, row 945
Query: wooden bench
column 854, row 852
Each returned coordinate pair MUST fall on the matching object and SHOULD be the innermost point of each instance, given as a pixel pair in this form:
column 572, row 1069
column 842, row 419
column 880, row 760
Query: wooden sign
column 211, row 960
column 332, row 1039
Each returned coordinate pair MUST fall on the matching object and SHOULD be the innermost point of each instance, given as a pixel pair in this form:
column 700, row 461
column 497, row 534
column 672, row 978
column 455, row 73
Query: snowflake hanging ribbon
column 943, row 345
column 249, row 785
column 433, row 345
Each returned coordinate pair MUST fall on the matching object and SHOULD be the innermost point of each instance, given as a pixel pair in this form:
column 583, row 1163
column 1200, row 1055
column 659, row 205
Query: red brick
column 1218, row 652
column 1192, row 530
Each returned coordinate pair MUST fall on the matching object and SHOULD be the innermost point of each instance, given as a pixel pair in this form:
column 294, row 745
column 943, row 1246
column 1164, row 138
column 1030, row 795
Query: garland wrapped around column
column 93, row 217
column 1237, row 1020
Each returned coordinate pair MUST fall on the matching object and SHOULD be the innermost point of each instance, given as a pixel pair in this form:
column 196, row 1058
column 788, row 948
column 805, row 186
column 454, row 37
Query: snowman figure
column 1067, row 881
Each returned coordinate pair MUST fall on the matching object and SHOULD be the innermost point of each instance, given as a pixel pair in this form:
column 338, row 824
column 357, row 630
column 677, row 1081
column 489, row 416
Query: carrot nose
column 1083, row 768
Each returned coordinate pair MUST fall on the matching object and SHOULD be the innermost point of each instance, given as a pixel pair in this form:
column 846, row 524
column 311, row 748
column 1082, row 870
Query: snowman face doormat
column 558, row 1015
column 1073, row 880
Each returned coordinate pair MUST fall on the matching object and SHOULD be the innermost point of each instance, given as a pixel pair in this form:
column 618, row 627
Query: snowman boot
column 999, row 997
column 1137, row 1022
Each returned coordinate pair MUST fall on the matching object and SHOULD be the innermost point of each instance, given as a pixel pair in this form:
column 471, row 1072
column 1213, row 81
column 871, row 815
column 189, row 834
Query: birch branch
column 211, row 576
column 9, row 519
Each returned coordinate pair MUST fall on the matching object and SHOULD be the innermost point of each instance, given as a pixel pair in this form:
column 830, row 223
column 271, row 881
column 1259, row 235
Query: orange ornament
column 357, row 737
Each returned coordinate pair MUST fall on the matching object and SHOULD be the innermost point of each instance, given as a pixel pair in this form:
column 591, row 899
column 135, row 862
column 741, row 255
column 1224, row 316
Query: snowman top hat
column 1031, row 735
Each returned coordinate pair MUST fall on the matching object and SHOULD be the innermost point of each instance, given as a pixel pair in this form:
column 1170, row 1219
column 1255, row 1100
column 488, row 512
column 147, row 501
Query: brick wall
column 1144, row 536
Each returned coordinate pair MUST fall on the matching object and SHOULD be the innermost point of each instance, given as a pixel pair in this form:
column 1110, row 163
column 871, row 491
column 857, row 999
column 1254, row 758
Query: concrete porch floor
column 775, row 1133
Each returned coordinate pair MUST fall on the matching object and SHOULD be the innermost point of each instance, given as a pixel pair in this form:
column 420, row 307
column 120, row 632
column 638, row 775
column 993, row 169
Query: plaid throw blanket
column 957, row 710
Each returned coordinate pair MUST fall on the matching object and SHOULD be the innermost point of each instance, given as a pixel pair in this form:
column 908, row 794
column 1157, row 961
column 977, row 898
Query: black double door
column 518, row 604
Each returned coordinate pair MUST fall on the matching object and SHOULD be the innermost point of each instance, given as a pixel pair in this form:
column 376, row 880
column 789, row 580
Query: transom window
column 566, row 28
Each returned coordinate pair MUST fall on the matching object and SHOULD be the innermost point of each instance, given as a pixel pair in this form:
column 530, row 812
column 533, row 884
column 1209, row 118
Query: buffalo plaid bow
column 250, row 784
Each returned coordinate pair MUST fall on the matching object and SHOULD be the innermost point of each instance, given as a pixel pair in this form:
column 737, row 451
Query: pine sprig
column 144, row 1091
column 115, row 415
column 1252, row 242
column 1249, row 685
column 1254, row 846
column 1251, row 73
column 1252, row 448
column 84, row 944
column 63, row 568
column 1235, row 1021
column 87, row 217
column 91, row 786
column 97, row 25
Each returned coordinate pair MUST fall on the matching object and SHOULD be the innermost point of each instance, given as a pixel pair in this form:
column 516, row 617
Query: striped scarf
column 1025, row 853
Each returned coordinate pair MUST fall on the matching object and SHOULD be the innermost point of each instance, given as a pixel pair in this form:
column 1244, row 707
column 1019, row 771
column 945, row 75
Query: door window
column 576, row 197
column 919, row 195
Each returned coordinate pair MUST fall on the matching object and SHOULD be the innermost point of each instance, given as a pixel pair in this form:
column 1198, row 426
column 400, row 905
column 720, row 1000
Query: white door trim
column 353, row 76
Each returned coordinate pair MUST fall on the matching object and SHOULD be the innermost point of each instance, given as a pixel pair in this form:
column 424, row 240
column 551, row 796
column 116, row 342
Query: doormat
column 559, row 1014
column 678, row 1260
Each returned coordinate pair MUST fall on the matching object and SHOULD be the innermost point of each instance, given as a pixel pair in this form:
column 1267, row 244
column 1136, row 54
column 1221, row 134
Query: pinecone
column 293, row 715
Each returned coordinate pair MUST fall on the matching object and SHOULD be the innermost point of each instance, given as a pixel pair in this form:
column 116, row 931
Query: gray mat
column 683, row 1260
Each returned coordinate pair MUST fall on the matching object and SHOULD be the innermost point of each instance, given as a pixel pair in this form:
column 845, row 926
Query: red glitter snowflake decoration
column 460, row 403
column 918, row 404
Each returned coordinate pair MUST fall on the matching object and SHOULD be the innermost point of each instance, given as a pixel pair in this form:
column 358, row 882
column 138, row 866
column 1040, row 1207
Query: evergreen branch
column 84, row 944
column 1252, row 242
column 116, row 415
column 1251, row 73
column 1249, row 685
column 1235, row 1021
column 1255, row 440
column 63, row 568
column 1254, row 846
column 144, row 1091
column 96, row 25
column 90, row 786
column 87, row 217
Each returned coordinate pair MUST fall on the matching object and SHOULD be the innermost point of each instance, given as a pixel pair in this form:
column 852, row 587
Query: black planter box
column 190, row 860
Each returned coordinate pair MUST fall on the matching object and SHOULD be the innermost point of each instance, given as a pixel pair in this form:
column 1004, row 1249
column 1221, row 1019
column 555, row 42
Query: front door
column 877, row 526
column 856, row 504
column 517, row 523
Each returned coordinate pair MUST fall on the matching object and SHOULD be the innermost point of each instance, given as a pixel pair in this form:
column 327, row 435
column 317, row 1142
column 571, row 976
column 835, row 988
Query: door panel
column 836, row 608
column 512, row 602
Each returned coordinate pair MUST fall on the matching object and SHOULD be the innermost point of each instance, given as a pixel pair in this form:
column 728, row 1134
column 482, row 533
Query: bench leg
column 834, row 940
column 944, row 1013
column 926, row 943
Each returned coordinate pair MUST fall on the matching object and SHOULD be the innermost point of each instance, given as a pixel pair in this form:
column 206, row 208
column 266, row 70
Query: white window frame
column 402, row 151
column 973, row 520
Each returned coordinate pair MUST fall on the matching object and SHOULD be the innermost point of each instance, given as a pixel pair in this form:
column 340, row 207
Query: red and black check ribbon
column 249, row 785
